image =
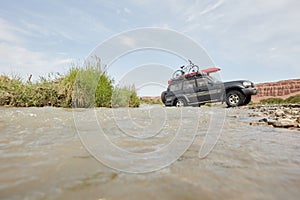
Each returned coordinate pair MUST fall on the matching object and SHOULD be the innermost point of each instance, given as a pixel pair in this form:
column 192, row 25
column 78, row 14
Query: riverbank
column 278, row 116
column 87, row 86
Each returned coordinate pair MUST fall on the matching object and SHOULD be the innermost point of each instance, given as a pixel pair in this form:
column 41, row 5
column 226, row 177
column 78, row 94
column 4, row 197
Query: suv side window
column 175, row 87
column 202, row 82
column 189, row 84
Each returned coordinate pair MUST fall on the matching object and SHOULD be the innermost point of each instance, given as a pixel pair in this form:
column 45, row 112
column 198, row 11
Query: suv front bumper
column 250, row 91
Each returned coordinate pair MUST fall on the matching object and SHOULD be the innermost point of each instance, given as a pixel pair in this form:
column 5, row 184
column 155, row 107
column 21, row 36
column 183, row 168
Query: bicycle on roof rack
column 185, row 70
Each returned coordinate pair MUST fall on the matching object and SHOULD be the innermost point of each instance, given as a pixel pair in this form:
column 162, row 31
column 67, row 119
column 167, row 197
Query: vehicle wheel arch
column 163, row 97
column 239, row 93
column 227, row 90
column 179, row 97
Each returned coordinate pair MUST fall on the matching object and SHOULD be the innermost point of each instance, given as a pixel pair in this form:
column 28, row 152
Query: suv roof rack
column 203, row 72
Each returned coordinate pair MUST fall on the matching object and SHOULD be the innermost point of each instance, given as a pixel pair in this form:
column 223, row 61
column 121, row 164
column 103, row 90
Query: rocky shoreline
column 278, row 116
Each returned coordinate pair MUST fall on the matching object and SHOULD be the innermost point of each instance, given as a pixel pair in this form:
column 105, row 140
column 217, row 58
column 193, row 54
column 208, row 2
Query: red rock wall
column 156, row 98
column 280, row 89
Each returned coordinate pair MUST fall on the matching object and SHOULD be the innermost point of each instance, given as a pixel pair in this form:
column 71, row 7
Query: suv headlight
column 247, row 84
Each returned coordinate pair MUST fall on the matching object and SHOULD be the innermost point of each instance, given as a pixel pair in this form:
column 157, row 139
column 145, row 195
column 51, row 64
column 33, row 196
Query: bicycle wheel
column 195, row 68
column 177, row 74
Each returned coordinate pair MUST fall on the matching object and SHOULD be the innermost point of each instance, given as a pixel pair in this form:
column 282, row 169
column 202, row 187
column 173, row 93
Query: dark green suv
column 202, row 88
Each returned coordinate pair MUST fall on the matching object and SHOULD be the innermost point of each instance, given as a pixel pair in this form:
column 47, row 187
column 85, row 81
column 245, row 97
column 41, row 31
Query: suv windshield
column 212, row 78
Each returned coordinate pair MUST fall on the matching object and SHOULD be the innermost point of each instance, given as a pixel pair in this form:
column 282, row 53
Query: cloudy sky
column 252, row 39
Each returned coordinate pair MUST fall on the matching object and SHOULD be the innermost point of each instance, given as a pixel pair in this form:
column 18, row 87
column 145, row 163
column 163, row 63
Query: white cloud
column 261, row 34
column 127, row 10
column 240, row 34
column 8, row 32
column 128, row 41
column 16, row 59
column 193, row 13
column 211, row 7
column 42, row 30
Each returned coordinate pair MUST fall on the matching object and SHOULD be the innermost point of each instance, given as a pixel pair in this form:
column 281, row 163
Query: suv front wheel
column 247, row 100
column 234, row 98
column 180, row 102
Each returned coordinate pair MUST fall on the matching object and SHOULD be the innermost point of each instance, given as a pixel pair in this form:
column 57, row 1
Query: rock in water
column 285, row 123
column 263, row 120
column 279, row 113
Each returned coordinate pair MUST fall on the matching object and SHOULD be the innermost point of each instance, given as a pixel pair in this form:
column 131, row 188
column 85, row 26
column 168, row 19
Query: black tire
column 177, row 73
column 163, row 97
column 234, row 98
column 194, row 69
column 247, row 100
column 198, row 104
column 180, row 102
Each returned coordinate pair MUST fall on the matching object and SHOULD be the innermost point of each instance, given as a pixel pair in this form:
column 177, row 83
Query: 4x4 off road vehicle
column 199, row 87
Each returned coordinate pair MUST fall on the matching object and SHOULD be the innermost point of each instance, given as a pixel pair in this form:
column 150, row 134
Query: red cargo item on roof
column 210, row 70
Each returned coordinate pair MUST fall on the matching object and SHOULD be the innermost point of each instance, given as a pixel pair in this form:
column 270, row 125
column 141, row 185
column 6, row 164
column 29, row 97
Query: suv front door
column 202, row 90
column 208, row 90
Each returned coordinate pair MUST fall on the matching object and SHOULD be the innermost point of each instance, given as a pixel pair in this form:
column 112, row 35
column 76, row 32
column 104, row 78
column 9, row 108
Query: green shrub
column 16, row 93
column 151, row 101
column 293, row 99
column 10, row 90
column 134, row 101
column 104, row 91
column 272, row 101
column 86, row 86
column 125, row 97
column 66, row 88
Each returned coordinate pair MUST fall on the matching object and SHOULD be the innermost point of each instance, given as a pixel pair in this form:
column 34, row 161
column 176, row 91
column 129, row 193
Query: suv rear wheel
column 234, row 98
column 180, row 102
column 163, row 97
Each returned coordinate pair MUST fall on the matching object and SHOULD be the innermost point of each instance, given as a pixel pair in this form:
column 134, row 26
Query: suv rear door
column 189, row 90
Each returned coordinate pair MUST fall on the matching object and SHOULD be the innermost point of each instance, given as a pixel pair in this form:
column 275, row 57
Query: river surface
column 47, row 153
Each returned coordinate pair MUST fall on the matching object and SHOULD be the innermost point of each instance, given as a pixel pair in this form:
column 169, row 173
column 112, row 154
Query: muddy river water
column 43, row 154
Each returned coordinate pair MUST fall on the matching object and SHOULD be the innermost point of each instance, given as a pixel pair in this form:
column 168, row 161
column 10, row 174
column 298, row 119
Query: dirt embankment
column 281, row 89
